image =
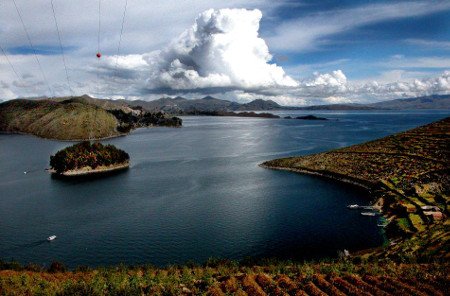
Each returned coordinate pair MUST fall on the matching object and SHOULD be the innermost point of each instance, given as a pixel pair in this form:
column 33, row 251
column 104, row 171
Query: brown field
column 342, row 278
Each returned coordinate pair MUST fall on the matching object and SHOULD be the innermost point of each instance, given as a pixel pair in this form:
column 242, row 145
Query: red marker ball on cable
column 99, row 55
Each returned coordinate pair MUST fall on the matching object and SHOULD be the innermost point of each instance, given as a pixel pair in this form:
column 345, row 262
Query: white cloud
column 400, row 61
column 221, row 50
column 429, row 43
column 338, row 100
column 416, row 87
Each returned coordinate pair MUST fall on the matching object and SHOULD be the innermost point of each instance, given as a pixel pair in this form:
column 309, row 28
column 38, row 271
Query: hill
column 427, row 102
column 77, row 118
column 407, row 175
column 338, row 107
column 180, row 105
column 259, row 105
column 433, row 102
column 66, row 120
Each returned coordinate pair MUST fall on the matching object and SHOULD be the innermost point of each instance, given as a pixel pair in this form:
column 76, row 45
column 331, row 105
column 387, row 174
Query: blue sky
column 358, row 50
column 323, row 51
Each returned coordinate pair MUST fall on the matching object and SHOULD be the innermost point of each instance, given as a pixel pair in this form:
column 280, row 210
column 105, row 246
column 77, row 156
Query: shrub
column 57, row 267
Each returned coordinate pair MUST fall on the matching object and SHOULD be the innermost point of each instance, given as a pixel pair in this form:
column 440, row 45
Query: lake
column 193, row 193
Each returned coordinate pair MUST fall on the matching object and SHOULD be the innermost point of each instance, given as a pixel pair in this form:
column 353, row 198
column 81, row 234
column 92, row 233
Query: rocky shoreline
column 84, row 171
column 325, row 174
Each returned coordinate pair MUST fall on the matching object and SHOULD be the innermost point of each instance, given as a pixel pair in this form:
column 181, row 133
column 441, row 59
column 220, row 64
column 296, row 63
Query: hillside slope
column 66, row 120
column 408, row 176
column 427, row 102
column 432, row 102
column 78, row 118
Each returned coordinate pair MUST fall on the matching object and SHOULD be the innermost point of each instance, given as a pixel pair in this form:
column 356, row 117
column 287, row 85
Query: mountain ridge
column 183, row 106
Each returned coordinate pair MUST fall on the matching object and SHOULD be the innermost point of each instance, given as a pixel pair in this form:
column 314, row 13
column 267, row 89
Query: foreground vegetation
column 408, row 177
column 231, row 278
column 85, row 154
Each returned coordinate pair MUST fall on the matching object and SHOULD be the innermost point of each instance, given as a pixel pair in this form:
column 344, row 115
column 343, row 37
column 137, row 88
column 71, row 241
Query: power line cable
column 9, row 62
column 32, row 47
column 98, row 45
column 121, row 33
column 61, row 47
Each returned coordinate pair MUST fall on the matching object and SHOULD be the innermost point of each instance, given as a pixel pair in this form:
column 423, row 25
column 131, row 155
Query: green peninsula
column 407, row 175
column 78, row 118
column 86, row 158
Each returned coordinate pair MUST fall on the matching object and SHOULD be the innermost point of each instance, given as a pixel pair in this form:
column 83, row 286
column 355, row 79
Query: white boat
column 352, row 207
column 368, row 214
column 52, row 237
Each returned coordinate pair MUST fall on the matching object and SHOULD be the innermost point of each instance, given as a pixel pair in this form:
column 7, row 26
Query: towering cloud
column 221, row 50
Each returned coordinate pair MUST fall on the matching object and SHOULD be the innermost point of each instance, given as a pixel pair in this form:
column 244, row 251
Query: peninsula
column 85, row 158
column 78, row 118
column 407, row 175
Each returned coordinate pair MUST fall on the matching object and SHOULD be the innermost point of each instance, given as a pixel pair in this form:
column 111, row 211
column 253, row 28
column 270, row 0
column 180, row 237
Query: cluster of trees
column 86, row 154
column 129, row 121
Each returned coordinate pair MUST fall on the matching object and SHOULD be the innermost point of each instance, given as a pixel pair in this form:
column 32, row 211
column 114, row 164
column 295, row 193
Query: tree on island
column 85, row 154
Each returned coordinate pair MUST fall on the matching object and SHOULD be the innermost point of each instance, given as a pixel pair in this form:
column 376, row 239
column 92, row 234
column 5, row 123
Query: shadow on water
column 27, row 245
column 89, row 177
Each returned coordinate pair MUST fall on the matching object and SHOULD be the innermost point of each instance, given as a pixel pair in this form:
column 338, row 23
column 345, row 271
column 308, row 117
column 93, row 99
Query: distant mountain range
column 180, row 105
column 427, row 102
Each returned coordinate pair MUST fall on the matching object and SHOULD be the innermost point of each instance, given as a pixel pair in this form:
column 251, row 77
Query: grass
column 417, row 222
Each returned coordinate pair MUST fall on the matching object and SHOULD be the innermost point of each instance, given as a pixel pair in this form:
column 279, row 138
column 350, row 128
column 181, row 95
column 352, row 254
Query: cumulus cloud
column 221, row 50
column 328, row 83
column 416, row 87
column 338, row 100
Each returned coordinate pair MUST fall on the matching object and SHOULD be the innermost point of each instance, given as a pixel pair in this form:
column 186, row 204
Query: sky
column 293, row 52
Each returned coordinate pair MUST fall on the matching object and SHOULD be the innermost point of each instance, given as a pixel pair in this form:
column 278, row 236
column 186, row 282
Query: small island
column 311, row 117
column 88, row 158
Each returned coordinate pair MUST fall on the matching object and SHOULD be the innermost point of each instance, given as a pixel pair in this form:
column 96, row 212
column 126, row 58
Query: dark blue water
column 192, row 193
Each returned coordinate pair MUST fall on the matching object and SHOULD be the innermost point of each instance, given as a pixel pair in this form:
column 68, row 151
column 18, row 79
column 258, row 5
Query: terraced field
column 342, row 278
column 408, row 176
column 319, row 284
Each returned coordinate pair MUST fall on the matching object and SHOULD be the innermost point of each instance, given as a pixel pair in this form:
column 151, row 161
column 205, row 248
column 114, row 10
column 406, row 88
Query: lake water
column 193, row 193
